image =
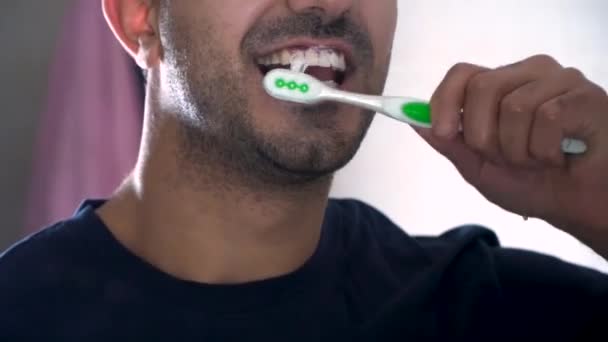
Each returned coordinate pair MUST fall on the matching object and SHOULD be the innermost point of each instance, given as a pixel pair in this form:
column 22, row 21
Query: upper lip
column 335, row 44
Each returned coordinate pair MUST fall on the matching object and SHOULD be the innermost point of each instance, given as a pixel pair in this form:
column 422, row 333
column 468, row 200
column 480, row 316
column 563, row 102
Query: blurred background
column 28, row 35
column 72, row 111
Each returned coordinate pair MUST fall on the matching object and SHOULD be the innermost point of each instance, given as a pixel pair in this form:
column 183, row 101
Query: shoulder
column 373, row 245
column 536, row 293
column 39, row 263
column 361, row 221
column 544, row 274
column 460, row 242
column 32, row 252
column 543, row 293
column 56, row 242
column 369, row 237
column 29, row 279
column 353, row 213
column 35, row 269
column 362, row 218
column 64, row 243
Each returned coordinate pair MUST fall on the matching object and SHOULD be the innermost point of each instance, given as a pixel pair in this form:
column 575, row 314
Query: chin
column 312, row 157
column 304, row 144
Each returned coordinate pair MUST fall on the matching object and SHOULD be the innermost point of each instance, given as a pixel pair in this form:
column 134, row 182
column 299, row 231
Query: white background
column 412, row 184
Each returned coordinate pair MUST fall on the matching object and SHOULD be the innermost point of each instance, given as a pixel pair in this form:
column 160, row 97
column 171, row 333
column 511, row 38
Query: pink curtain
column 90, row 128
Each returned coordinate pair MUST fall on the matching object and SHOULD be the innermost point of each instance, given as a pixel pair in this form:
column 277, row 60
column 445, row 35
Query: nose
column 329, row 9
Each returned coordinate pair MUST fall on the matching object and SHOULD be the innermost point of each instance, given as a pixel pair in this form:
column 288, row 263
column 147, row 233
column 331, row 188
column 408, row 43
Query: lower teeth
column 331, row 84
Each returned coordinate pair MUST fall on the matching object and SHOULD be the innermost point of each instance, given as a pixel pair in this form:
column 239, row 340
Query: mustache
column 313, row 26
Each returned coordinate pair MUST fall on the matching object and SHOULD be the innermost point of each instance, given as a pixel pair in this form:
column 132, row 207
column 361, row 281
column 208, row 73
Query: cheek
column 380, row 19
column 231, row 19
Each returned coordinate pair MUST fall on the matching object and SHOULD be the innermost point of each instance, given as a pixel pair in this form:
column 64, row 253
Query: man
column 224, row 231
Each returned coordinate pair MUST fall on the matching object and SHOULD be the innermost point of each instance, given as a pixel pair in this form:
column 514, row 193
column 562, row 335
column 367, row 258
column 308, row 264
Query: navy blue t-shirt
column 367, row 281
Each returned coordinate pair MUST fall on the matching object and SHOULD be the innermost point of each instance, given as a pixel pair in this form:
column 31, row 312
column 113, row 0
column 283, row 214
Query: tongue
column 321, row 73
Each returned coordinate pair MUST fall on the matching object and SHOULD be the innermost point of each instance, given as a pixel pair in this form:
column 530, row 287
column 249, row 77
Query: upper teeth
column 321, row 57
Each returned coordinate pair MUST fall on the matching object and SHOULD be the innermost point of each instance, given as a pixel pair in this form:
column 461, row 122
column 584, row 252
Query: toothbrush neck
column 370, row 102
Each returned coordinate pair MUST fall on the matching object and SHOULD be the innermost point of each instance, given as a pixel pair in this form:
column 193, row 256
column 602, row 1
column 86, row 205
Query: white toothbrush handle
column 365, row 101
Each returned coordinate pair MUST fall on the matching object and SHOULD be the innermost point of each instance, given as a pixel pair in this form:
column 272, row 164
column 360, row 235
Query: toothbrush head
column 294, row 86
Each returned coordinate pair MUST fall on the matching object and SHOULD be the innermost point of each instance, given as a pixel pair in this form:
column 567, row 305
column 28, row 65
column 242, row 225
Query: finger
column 577, row 114
column 484, row 94
column 517, row 111
column 546, row 136
column 448, row 100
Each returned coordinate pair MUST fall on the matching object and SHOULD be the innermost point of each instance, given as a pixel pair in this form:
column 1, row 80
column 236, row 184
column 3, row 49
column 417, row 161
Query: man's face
column 215, row 55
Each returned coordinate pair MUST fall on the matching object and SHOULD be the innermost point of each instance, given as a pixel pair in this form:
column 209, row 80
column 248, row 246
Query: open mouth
column 325, row 64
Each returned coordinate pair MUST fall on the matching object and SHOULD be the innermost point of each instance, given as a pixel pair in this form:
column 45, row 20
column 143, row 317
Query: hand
column 513, row 120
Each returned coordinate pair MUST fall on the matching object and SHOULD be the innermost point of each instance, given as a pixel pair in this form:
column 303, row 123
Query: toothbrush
column 298, row 87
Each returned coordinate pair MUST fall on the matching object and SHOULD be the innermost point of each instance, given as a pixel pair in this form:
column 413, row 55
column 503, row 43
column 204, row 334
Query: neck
column 208, row 231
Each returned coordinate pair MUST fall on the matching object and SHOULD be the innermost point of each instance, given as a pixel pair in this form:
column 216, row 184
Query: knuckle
column 596, row 90
column 573, row 73
column 543, row 59
column 551, row 110
column 480, row 83
column 512, row 104
column 460, row 68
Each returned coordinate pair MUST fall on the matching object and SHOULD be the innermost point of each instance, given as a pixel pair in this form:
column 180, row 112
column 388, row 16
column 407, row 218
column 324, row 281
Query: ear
column 135, row 24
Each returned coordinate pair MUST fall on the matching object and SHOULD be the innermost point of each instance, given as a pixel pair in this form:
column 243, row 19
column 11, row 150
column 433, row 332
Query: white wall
column 412, row 184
